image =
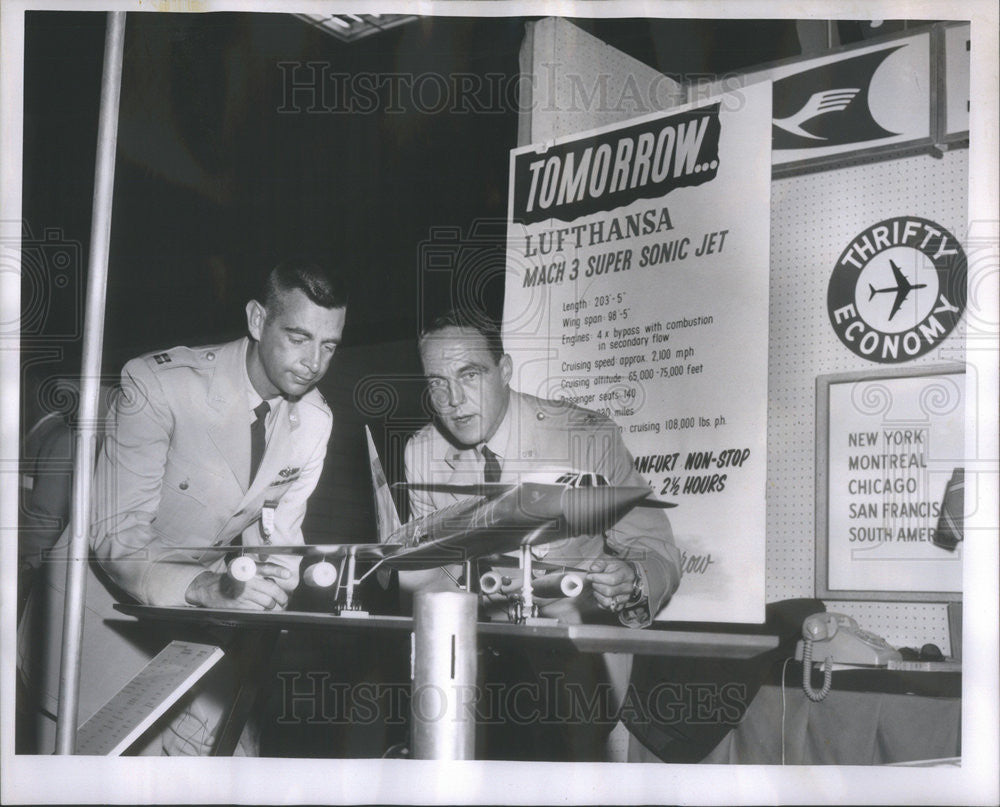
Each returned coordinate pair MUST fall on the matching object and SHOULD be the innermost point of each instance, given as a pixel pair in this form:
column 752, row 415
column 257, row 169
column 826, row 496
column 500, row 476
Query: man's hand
column 260, row 593
column 612, row 581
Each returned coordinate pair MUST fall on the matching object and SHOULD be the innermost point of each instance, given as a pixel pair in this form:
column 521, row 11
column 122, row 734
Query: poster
column 637, row 286
column 894, row 445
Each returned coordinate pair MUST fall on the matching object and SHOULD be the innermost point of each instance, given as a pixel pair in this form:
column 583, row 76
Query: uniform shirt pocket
column 194, row 503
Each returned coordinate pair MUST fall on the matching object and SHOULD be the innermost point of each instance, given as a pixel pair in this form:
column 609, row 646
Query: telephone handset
column 837, row 638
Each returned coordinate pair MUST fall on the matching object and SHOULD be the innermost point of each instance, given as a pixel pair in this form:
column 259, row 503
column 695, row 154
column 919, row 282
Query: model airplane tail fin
column 871, row 289
column 386, row 517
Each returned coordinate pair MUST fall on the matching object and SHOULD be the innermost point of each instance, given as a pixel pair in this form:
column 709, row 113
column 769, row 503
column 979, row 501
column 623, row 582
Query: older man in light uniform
column 485, row 431
column 213, row 445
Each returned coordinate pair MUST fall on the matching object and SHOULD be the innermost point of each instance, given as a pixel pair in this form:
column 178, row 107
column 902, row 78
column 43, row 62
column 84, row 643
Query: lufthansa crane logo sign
column 898, row 290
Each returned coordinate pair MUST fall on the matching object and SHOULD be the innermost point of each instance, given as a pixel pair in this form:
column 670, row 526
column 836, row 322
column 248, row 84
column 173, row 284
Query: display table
column 494, row 638
column 556, row 636
column 868, row 718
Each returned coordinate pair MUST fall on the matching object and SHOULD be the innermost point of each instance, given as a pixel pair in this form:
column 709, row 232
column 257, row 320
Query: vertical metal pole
column 527, row 592
column 442, row 707
column 351, row 566
column 93, row 342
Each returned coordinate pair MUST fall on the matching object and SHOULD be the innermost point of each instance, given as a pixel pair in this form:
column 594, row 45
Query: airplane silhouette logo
column 819, row 103
column 830, row 104
column 902, row 289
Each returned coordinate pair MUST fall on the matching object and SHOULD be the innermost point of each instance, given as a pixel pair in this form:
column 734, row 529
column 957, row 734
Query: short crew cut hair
column 325, row 287
column 472, row 320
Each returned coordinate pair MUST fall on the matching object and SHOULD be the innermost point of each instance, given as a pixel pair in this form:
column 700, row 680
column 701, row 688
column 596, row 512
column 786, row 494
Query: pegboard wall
column 813, row 218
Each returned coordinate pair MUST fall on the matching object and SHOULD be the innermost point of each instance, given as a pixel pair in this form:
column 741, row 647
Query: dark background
column 221, row 173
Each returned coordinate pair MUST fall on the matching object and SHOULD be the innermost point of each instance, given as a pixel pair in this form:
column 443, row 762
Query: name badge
column 286, row 475
column 267, row 520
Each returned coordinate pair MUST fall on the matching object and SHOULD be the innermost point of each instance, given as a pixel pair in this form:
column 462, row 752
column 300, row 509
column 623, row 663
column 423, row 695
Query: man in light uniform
column 207, row 446
column 483, row 428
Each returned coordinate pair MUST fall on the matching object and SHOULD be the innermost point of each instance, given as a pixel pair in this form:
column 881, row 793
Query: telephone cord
column 812, row 694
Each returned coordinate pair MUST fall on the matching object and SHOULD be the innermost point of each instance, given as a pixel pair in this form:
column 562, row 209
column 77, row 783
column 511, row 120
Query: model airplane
column 495, row 519
column 902, row 289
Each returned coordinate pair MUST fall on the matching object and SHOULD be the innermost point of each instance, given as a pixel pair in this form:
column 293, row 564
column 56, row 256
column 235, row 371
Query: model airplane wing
column 487, row 489
column 492, row 489
column 360, row 551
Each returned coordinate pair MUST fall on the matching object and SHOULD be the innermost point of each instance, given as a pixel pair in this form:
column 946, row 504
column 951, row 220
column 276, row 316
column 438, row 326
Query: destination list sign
column 893, row 445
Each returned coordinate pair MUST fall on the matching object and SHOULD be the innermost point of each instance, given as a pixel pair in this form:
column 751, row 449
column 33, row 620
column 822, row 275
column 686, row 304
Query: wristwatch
column 638, row 594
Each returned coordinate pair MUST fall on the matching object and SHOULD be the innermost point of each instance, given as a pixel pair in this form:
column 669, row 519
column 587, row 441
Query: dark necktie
column 258, row 437
column 491, row 466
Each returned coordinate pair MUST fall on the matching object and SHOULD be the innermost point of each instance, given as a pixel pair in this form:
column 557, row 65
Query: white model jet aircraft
column 497, row 518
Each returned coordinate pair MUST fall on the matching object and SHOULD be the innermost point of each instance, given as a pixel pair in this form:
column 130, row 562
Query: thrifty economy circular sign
column 898, row 290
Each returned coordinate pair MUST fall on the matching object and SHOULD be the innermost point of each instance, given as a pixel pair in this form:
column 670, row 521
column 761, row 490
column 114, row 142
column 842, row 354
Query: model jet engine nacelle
column 553, row 585
column 242, row 568
column 558, row 584
column 320, row 575
column 493, row 582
